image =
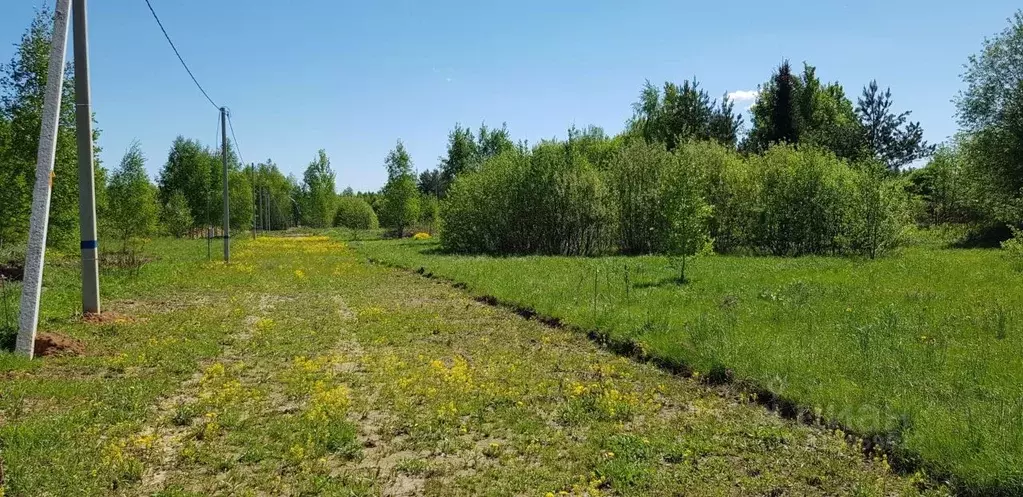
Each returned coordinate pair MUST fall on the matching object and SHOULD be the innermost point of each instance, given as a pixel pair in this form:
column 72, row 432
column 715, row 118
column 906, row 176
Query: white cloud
column 743, row 95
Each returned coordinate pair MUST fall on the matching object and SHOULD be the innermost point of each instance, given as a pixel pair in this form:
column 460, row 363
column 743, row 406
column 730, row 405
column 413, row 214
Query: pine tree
column 800, row 110
column 890, row 138
column 783, row 129
column 725, row 124
column 676, row 114
column 430, row 182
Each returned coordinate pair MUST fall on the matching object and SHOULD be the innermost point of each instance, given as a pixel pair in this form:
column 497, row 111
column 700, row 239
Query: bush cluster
column 573, row 198
column 355, row 213
column 548, row 200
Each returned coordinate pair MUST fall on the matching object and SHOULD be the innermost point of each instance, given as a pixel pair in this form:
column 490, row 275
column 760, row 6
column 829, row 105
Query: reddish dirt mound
column 52, row 344
column 106, row 317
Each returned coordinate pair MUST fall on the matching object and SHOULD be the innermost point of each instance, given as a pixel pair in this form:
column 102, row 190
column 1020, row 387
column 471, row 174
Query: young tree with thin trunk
column 176, row 216
column 685, row 211
column 318, row 190
column 133, row 208
column 400, row 208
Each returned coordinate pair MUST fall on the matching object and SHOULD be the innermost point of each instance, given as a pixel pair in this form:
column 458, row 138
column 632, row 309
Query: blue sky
column 353, row 77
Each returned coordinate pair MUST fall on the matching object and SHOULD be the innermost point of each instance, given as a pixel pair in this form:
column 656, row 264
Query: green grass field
column 921, row 349
column 301, row 369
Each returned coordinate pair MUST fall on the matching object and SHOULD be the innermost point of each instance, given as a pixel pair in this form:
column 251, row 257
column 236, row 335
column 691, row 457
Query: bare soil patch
column 107, row 317
column 55, row 344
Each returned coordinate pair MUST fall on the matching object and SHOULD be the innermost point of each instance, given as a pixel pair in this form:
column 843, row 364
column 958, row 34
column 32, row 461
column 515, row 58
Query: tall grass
column 913, row 348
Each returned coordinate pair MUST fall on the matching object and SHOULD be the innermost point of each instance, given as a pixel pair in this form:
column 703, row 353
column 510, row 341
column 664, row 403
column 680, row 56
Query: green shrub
column 1013, row 249
column 881, row 212
column 731, row 189
column 635, row 175
column 805, row 202
column 355, row 213
column 660, row 200
column 429, row 212
column 475, row 214
column 176, row 216
column 943, row 187
column 554, row 200
column 549, row 200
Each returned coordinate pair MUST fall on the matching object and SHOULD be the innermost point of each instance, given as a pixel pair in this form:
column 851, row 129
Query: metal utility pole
column 86, row 175
column 227, row 207
column 28, row 318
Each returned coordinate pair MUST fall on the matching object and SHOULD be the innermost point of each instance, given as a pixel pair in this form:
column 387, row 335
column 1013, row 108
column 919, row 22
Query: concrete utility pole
column 86, row 175
column 266, row 208
column 209, row 225
column 227, row 207
column 252, row 168
column 259, row 207
column 28, row 318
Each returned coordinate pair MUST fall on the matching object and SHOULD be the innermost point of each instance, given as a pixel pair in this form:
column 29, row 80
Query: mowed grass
column 921, row 349
column 300, row 369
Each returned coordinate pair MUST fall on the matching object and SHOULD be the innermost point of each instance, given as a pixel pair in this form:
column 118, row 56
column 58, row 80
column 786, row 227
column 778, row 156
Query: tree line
column 22, row 83
column 976, row 179
column 812, row 172
column 186, row 196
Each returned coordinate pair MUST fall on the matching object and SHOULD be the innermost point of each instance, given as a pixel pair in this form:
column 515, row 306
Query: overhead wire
column 234, row 139
column 180, row 58
column 229, row 123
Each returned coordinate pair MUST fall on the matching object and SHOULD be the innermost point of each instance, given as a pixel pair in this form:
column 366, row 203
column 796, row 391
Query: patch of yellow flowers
column 264, row 325
column 589, row 487
column 210, row 427
column 285, row 244
column 608, row 401
column 123, row 456
column 328, row 403
column 457, row 377
column 314, row 377
column 370, row 312
column 217, row 389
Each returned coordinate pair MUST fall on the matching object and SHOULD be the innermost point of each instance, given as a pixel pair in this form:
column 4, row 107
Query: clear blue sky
column 353, row 77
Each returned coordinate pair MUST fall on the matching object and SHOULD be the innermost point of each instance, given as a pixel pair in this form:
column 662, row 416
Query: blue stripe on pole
column 89, row 244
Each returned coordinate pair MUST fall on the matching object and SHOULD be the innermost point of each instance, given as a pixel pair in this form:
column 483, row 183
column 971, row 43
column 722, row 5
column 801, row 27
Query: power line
column 179, row 55
column 216, row 137
column 234, row 139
